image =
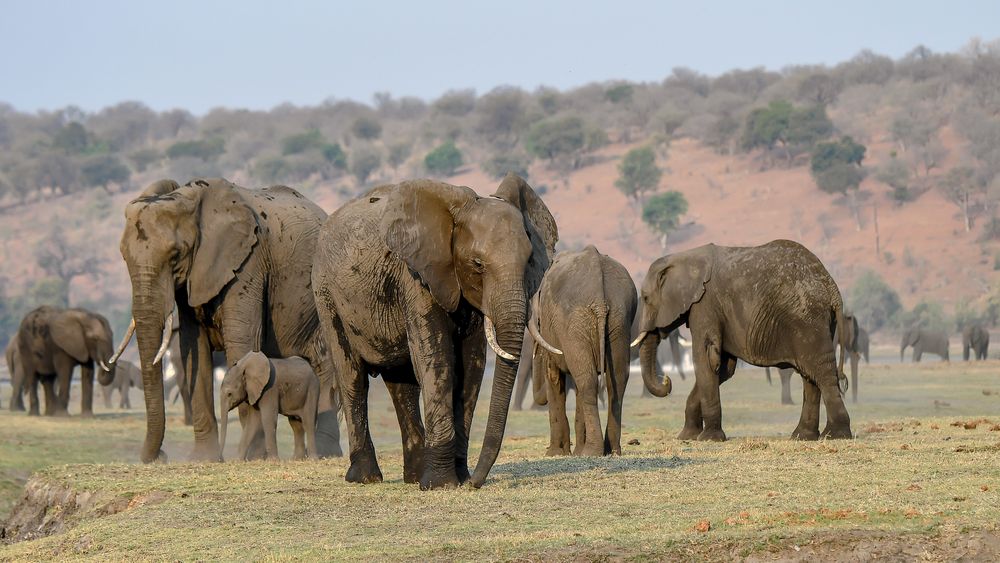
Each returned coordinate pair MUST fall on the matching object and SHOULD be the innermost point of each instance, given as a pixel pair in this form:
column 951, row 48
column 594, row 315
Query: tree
column 499, row 165
column 399, row 152
column 364, row 161
column 781, row 124
column 896, row 174
column 619, row 93
column 873, row 300
column 556, row 136
column 366, row 127
column 334, row 155
column 295, row 144
column 959, row 185
column 456, row 103
column 205, row 149
column 64, row 259
column 103, row 169
column 271, row 169
column 72, row 138
column 500, row 112
column 443, row 160
column 663, row 212
column 638, row 173
column 144, row 158
column 836, row 168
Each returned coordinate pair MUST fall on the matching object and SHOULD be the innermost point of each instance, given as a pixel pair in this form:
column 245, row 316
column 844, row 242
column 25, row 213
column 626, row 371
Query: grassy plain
column 912, row 484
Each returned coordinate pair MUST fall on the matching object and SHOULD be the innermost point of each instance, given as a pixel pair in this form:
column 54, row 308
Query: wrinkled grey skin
column 293, row 392
column 52, row 341
column 584, row 307
column 127, row 376
column 403, row 278
column 769, row 305
column 857, row 347
column 924, row 340
column 976, row 338
column 236, row 264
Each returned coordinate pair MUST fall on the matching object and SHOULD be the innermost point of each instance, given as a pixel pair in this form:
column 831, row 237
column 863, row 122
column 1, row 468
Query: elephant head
column 672, row 285
column 490, row 251
column 910, row 338
column 86, row 337
column 182, row 244
column 245, row 382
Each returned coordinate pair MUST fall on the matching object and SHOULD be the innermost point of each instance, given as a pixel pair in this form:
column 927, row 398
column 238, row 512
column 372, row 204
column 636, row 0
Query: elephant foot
column 60, row 414
column 411, row 474
column 837, row 433
column 801, row 433
column 590, row 451
column 34, row 412
column 787, row 402
column 712, row 435
column 462, row 470
column 364, row 469
column 556, row 451
column 87, row 414
column 689, row 433
column 446, row 479
column 161, row 457
column 439, row 467
column 206, row 452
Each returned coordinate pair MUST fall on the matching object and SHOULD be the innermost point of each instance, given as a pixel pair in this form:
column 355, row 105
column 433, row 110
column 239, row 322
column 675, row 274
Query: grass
column 910, row 473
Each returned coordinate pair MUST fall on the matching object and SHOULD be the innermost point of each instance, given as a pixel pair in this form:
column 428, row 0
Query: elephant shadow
column 567, row 465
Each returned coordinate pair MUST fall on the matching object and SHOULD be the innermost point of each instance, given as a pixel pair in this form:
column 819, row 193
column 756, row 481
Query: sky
column 201, row 54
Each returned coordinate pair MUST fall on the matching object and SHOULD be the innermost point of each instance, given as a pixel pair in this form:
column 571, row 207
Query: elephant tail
column 602, row 337
column 841, row 335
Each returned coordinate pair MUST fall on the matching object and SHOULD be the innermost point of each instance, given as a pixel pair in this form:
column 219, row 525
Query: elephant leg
column 559, row 443
column 855, row 358
column 918, row 352
column 708, row 363
column 808, row 428
column 589, row 441
column 523, row 380
column 617, row 381
column 308, row 419
column 87, row 390
column 106, row 392
column 299, row 436
column 197, row 356
column 838, row 421
column 64, row 378
column 786, row 386
column 249, row 430
column 269, row 424
column 50, row 397
column 965, row 352
column 471, row 354
column 405, row 394
column 693, row 424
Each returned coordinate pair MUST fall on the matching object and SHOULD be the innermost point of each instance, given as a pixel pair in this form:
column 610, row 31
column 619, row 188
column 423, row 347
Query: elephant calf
column 271, row 387
column 581, row 319
column 127, row 375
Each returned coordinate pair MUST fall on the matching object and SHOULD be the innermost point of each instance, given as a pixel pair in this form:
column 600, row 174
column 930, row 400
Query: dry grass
column 910, row 471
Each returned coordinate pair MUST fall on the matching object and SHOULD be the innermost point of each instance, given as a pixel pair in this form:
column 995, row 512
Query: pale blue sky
column 201, row 54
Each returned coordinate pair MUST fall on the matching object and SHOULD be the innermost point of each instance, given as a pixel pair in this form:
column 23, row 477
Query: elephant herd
column 412, row 282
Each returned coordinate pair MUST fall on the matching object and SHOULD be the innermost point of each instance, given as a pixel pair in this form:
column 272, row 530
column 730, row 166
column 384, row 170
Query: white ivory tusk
column 121, row 347
column 491, row 338
column 166, row 338
column 638, row 339
column 537, row 335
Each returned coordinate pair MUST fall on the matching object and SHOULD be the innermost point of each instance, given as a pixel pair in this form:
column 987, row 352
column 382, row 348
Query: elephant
column 581, row 319
column 271, row 387
column 924, row 340
column 412, row 281
column 236, row 263
column 127, row 375
column 857, row 347
column 50, row 342
column 976, row 338
column 786, row 384
column 13, row 357
column 738, row 309
column 180, row 380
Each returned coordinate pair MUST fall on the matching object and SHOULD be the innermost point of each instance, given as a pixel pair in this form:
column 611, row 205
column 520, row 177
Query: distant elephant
column 52, row 341
column 411, row 282
column 581, row 319
column 272, row 387
column 17, row 389
column 786, row 384
column 737, row 308
column 235, row 262
column 976, row 338
column 857, row 346
column 924, row 340
column 180, row 379
column 127, row 376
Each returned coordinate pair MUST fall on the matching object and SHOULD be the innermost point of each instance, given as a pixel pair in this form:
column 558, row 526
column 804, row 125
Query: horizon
column 567, row 47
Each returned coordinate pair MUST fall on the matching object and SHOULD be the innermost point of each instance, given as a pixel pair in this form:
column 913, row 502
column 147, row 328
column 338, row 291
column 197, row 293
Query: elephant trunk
column 152, row 299
column 647, row 359
column 100, row 354
column 510, row 315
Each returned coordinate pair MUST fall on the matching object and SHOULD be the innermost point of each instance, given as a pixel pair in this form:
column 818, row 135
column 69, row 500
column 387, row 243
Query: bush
column 399, row 152
column 366, row 127
column 896, row 174
column 556, row 136
column 498, row 166
column 205, row 149
column 927, row 314
column 663, row 211
column 456, row 103
column 619, row 93
column 271, row 169
column 302, row 142
column 334, row 155
column 101, row 170
column 836, row 165
column 873, row 300
column 364, row 161
column 144, row 158
column 638, row 173
column 444, row 159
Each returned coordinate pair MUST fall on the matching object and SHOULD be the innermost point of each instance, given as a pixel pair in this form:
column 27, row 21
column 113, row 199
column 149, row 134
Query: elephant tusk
column 537, row 335
column 167, row 332
column 684, row 341
column 104, row 366
column 121, row 347
column 638, row 339
column 491, row 337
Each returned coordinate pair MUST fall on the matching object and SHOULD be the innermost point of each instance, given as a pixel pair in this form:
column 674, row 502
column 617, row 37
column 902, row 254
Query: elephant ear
column 259, row 375
column 228, row 232
column 680, row 283
column 67, row 333
column 418, row 223
column 538, row 224
column 158, row 188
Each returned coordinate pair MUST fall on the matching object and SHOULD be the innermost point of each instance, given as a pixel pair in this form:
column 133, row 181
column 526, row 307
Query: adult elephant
column 976, row 338
column 235, row 262
column 857, row 347
column 581, row 319
column 51, row 342
column 127, row 376
column 737, row 308
column 411, row 281
column 924, row 340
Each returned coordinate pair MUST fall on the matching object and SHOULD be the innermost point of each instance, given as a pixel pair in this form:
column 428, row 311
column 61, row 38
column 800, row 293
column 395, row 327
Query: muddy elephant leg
column 708, row 362
column 855, row 357
column 300, row 439
column 617, row 380
column 808, row 428
column 197, row 355
column 405, row 394
column 87, row 390
column 838, row 421
column 471, row 354
column 559, row 442
column 786, row 386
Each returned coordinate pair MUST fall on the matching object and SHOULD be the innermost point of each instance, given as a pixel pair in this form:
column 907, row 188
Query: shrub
column 556, row 136
column 302, row 142
column 444, row 159
column 366, row 127
column 873, row 300
column 499, row 165
column 364, row 161
column 205, row 149
column 638, row 173
column 663, row 212
column 101, row 170
column 334, row 155
column 928, row 314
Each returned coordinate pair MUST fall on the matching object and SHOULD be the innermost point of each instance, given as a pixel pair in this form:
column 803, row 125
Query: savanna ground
column 921, row 481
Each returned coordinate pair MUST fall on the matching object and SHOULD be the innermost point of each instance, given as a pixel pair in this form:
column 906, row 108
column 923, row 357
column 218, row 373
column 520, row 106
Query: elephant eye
column 477, row 264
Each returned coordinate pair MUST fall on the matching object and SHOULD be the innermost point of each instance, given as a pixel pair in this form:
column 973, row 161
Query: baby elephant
column 288, row 386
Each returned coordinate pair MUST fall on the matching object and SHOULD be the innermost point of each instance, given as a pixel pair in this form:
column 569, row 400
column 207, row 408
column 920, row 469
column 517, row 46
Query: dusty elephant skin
column 924, row 340
column 743, row 303
column 581, row 319
column 976, row 338
column 49, row 343
column 412, row 281
column 236, row 264
column 271, row 387
column 127, row 375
